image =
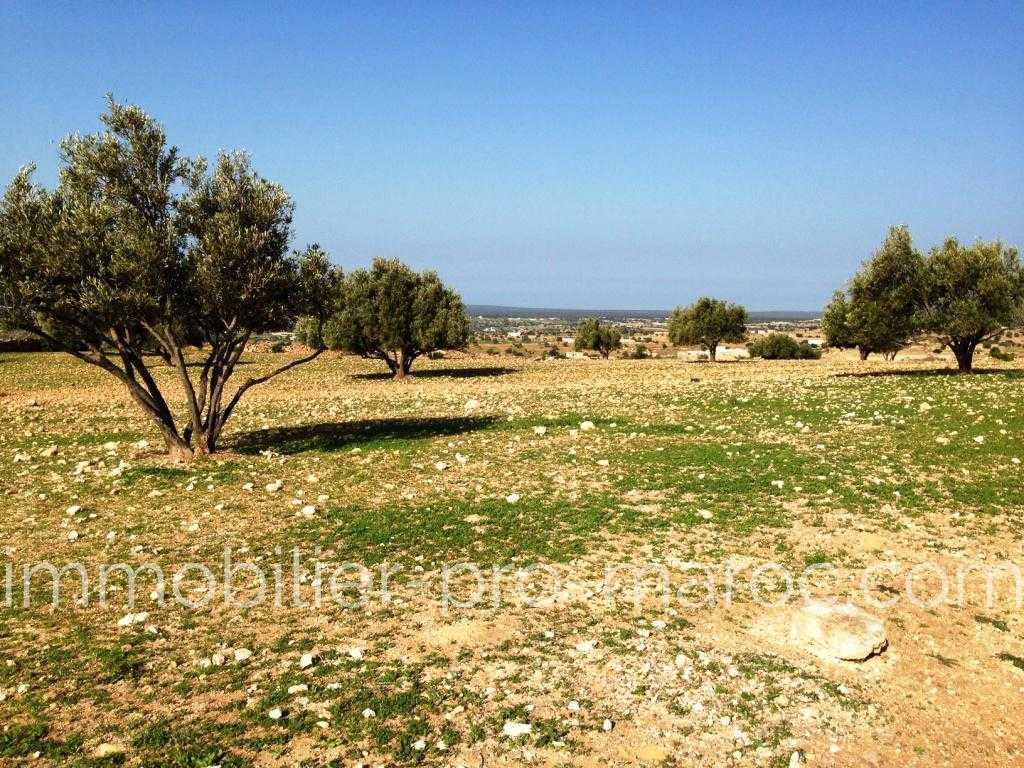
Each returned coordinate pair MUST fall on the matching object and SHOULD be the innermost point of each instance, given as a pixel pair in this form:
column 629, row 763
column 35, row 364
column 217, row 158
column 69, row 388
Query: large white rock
column 837, row 631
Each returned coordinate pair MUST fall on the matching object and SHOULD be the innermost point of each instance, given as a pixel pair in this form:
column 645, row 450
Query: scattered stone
column 275, row 486
column 513, row 498
column 586, row 426
column 133, row 618
column 276, row 713
column 242, row 655
column 308, row 660
column 837, row 631
column 514, row 730
column 108, row 749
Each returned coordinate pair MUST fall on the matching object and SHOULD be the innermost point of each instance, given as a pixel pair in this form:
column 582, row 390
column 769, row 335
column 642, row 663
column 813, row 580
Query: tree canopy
column 592, row 334
column 708, row 322
column 393, row 314
column 880, row 312
column 140, row 250
column 971, row 294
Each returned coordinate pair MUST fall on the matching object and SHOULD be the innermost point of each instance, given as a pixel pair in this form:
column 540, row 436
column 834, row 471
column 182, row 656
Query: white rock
column 441, row 466
column 72, row 535
column 308, row 660
column 276, row 713
column 837, row 631
column 356, row 653
column 368, row 713
column 514, row 730
column 275, row 486
column 242, row 655
column 540, row 430
column 513, row 498
column 419, row 745
column 573, row 706
column 308, row 511
column 586, row 646
column 108, row 749
column 586, row 426
column 607, row 725
column 300, row 688
column 133, row 618
column 472, row 405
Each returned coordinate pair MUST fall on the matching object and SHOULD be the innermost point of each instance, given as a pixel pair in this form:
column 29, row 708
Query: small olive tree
column 971, row 294
column 592, row 334
column 141, row 252
column 708, row 322
column 393, row 314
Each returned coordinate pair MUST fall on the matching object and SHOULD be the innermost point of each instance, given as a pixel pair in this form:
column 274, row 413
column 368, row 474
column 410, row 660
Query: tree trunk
column 713, row 351
column 863, row 353
column 177, row 449
column 963, row 351
column 402, row 364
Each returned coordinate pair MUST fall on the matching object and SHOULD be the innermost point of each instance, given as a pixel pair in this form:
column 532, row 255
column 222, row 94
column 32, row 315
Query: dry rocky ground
column 571, row 465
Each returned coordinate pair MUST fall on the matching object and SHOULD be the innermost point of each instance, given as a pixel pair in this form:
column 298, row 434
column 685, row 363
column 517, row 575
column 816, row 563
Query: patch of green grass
column 999, row 624
column 1016, row 661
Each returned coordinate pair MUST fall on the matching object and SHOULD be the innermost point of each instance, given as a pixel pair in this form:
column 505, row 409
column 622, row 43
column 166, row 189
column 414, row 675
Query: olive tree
column 972, row 293
column 708, row 322
column 140, row 253
column 880, row 313
column 592, row 334
column 391, row 313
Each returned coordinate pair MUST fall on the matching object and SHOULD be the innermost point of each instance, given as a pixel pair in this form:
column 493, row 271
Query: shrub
column 999, row 354
column 782, row 346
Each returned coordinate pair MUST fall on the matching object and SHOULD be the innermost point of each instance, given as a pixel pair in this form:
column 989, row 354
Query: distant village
column 553, row 336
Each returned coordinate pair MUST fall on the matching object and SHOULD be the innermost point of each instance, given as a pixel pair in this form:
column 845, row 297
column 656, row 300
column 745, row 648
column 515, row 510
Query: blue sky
column 628, row 155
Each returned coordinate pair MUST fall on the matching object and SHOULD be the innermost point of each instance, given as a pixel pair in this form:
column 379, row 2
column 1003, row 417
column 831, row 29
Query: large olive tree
column 880, row 312
column 393, row 314
column 708, row 322
column 971, row 294
column 140, row 253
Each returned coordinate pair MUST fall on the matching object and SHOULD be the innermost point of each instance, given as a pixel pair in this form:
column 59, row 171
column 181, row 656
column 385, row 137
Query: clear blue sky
column 629, row 155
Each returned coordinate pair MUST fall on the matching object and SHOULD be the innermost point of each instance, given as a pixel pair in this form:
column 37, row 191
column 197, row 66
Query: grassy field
column 499, row 462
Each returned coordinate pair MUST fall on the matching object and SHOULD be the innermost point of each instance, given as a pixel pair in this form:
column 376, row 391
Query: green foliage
column 391, row 313
column 638, row 352
column 782, row 346
column 708, row 322
column 880, row 312
column 591, row 333
column 999, row 354
column 141, row 250
column 972, row 293
column 835, row 322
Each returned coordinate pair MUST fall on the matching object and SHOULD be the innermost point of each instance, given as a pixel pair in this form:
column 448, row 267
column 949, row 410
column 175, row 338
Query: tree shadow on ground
column 336, row 436
column 439, row 373
column 929, row 372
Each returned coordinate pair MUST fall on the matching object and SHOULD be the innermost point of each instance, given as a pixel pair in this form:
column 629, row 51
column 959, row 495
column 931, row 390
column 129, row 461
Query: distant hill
column 492, row 310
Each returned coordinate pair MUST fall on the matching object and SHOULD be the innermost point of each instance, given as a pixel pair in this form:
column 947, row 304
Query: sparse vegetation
column 782, row 346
